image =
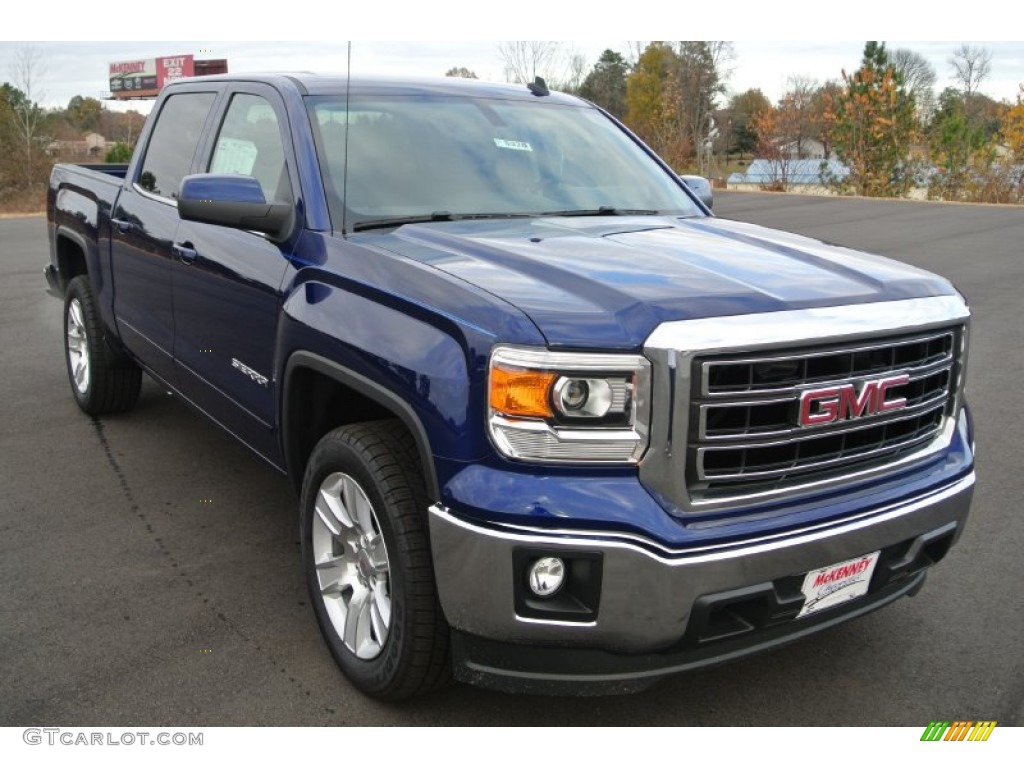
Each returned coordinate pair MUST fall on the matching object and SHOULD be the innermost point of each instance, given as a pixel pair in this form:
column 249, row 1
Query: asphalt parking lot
column 151, row 574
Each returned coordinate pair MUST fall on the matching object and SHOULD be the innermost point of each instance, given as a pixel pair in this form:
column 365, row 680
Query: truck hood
column 609, row 281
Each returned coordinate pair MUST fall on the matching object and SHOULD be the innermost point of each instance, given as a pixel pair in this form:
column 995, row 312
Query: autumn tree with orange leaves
column 1011, row 130
column 784, row 132
column 671, row 95
column 873, row 126
column 769, row 148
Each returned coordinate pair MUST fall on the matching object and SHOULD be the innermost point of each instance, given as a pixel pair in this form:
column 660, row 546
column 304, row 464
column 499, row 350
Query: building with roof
column 814, row 176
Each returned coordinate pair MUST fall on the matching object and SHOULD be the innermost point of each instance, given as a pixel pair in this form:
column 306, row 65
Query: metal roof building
column 814, row 172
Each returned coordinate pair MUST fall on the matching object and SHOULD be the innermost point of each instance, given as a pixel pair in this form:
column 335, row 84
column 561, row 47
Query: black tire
column 106, row 382
column 380, row 460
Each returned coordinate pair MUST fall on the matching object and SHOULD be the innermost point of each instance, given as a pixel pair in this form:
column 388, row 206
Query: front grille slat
column 806, row 463
column 774, row 416
column 724, row 434
column 744, row 427
column 719, row 377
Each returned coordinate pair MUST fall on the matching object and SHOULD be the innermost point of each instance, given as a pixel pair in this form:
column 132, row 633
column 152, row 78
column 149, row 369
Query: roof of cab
column 309, row 83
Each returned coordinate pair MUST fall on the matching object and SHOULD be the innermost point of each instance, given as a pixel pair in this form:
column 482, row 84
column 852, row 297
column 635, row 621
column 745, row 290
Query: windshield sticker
column 522, row 146
column 234, row 156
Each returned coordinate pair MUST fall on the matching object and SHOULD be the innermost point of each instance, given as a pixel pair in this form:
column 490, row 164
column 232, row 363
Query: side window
column 249, row 143
column 178, row 129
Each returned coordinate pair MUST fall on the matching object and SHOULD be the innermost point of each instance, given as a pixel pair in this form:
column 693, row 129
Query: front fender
column 371, row 390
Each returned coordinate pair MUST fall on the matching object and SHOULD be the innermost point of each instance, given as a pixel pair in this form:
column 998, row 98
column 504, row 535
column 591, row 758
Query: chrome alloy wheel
column 78, row 346
column 352, row 565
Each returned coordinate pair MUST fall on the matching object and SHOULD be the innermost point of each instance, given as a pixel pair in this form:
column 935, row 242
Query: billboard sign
column 145, row 77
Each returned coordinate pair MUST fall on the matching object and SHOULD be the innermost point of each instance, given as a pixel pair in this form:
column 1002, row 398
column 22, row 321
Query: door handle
column 185, row 252
column 123, row 226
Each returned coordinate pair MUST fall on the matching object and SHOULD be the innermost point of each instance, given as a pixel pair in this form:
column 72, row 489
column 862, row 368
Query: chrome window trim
column 172, row 201
column 672, row 347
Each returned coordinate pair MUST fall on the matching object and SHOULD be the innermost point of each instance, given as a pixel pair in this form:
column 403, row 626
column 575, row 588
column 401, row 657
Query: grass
column 22, row 202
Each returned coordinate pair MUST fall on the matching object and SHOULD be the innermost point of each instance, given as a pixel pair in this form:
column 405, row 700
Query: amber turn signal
column 521, row 393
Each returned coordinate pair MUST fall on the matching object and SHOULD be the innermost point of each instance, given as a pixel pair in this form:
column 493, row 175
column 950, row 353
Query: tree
column 966, row 153
column 84, row 113
column 649, row 103
column 953, row 144
column 119, row 153
column 739, row 120
column 784, row 131
column 970, row 67
column 873, row 127
column 575, row 67
column 121, row 126
column 984, row 114
column 823, row 111
column 875, row 56
column 672, row 94
column 701, row 74
column 1011, row 130
column 605, row 85
column 797, row 119
column 561, row 67
column 525, row 60
column 27, row 71
column 963, row 138
column 766, row 127
column 918, row 78
column 634, row 50
column 461, row 72
column 10, row 145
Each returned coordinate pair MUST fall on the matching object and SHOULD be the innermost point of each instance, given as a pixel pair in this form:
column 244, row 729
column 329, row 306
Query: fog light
column 547, row 576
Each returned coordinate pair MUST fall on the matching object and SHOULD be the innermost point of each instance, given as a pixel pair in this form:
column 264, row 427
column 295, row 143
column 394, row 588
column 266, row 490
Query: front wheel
column 100, row 383
column 367, row 560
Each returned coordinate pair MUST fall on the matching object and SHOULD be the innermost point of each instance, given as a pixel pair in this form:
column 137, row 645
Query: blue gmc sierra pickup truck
column 554, row 426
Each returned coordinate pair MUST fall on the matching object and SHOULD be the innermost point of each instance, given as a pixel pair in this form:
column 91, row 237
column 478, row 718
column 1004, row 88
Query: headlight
column 568, row 406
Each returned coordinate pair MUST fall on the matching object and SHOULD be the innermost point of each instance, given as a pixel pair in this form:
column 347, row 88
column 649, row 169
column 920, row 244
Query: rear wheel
column 367, row 560
column 100, row 381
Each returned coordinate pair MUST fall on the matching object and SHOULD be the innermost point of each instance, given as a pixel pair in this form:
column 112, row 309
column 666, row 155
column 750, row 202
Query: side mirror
column 701, row 188
column 232, row 201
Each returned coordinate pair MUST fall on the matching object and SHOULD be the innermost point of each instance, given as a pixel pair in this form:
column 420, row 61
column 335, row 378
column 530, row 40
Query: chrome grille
column 782, row 373
column 745, row 434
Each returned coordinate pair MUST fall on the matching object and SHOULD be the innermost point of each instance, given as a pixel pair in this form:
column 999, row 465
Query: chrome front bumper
column 649, row 593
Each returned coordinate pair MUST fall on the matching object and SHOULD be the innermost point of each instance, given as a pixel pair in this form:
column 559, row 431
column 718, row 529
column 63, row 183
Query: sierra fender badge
column 259, row 378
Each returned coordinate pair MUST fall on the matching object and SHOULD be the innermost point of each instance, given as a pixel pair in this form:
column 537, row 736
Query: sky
column 767, row 52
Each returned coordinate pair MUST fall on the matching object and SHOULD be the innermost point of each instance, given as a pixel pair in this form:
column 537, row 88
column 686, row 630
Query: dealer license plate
column 828, row 587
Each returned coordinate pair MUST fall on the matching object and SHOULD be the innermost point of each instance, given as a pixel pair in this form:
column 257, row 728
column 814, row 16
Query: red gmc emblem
column 825, row 406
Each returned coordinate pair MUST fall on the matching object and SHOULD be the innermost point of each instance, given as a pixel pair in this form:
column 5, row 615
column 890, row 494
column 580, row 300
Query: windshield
column 443, row 157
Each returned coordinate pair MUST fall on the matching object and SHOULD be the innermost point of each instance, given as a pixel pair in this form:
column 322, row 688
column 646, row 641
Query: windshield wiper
column 604, row 210
column 398, row 221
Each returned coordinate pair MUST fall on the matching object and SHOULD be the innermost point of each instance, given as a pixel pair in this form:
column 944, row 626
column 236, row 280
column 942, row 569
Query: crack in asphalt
column 136, row 509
